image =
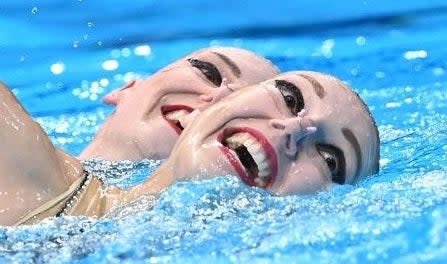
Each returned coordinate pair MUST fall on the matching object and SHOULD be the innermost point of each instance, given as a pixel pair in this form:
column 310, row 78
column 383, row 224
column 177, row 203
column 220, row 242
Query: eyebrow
column 233, row 66
column 318, row 88
column 350, row 137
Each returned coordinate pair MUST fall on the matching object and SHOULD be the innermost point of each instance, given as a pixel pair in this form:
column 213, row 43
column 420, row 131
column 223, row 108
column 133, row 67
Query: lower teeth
column 178, row 124
column 260, row 182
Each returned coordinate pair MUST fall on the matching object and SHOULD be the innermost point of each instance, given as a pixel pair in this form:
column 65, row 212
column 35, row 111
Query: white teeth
column 239, row 137
column 232, row 140
column 264, row 174
column 255, row 149
column 263, row 167
column 176, row 115
column 260, row 182
column 248, row 140
column 258, row 157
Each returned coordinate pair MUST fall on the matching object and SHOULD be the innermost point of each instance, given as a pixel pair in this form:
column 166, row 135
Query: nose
column 294, row 129
column 114, row 96
column 218, row 93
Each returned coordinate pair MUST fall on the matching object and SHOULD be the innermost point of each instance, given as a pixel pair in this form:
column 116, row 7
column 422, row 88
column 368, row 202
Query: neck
column 110, row 147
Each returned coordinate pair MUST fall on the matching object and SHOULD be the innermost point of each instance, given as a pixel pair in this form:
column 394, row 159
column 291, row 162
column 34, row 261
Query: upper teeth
column 177, row 114
column 255, row 149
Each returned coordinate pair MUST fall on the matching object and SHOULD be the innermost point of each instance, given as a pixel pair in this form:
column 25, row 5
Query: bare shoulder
column 27, row 144
column 33, row 170
column 22, row 136
column 8, row 99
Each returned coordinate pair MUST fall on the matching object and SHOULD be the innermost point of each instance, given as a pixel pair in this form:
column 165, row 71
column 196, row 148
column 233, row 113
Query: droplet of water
column 110, row 65
column 35, row 10
column 57, row 68
column 361, row 40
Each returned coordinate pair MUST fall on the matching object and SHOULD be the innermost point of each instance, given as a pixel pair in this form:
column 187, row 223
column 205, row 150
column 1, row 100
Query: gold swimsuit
column 86, row 196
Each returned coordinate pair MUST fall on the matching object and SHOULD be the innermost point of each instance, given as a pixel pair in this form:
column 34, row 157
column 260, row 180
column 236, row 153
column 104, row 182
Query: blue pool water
column 61, row 58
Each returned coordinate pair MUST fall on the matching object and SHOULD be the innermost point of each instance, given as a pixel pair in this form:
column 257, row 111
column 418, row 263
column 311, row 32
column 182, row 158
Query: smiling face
column 150, row 113
column 262, row 134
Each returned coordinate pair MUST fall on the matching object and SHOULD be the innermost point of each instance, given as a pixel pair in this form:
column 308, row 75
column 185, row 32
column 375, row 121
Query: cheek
column 190, row 98
column 155, row 138
column 303, row 177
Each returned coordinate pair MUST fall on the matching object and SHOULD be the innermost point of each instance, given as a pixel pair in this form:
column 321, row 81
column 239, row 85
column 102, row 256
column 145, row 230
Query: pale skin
column 333, row 140
column 293, row 151
column 143, row 125
column 138, row 129
column 32, row 169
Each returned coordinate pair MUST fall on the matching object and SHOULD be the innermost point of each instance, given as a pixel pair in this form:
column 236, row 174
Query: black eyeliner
column 290, row 87
column 208, row 69
column 340, row 175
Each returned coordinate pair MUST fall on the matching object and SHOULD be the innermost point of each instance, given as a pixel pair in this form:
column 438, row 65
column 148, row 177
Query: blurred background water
column 61, row 57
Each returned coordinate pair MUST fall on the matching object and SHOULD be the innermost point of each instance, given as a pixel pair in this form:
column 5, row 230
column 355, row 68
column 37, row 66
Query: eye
column 292, row 96
column 335, row 160
column 208, row 69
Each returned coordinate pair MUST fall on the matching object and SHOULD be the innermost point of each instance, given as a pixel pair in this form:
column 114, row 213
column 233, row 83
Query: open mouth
column 173, row 114
column 252, row 156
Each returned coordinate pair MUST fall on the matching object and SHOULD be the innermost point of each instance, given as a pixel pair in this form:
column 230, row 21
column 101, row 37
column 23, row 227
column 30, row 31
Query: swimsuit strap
column 89, row 200
column 71, row 201
column 84, row 197
column 54, row 206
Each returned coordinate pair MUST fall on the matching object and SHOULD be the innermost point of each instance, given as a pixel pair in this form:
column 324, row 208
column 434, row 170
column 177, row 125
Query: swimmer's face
column 150, row 113
column 262, row 134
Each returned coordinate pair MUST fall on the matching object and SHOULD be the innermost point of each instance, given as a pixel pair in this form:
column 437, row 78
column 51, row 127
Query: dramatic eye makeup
column 292, row 96
column 335, row 161
column 208, row 69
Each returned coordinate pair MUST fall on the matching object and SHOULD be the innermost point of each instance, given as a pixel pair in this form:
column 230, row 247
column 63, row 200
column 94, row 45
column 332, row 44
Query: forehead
column 236, row 59
column 225, row 52
column 324, row 93
column 323, row 86
column 235, row 64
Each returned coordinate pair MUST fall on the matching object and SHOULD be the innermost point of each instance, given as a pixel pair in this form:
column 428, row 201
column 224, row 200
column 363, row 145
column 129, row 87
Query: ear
column 114, row 96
